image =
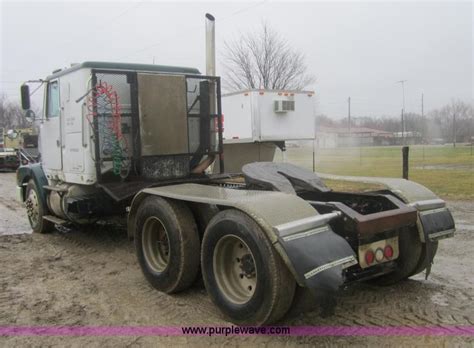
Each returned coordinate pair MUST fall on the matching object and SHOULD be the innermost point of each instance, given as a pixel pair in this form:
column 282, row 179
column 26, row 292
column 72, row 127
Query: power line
column 195, row 27
column 131, row 8
column 243, row 10
column 109, row 21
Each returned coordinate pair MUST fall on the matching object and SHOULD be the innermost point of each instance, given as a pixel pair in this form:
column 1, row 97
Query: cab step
column 55, row 220
column 55, row 188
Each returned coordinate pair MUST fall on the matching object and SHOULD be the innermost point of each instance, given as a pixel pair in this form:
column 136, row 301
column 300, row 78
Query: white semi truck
column 135, row 140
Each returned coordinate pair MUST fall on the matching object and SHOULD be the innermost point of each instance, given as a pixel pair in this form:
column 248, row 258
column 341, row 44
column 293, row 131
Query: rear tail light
column 369, row 257
column 388, row 252
column 378, row 252
column 379, row 255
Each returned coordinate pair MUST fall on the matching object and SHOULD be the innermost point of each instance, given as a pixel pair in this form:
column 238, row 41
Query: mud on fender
column 317, row 254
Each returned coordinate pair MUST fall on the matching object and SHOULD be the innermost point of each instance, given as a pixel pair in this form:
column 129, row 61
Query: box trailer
column 258, row 121
column 267, row 115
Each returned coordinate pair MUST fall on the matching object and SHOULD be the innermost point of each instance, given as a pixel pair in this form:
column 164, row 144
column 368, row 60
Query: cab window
column 53, row 99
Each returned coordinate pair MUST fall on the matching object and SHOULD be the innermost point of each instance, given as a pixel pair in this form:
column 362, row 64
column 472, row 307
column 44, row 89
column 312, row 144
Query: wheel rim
column 156, row 246
column 32, row 208
column 234, row 269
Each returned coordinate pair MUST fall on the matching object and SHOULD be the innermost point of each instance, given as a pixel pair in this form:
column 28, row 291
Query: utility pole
column 423, row 125
column 454, row 129
column 349, row 113
column 423, row 129
column 402, row 82
column 403, row 128
column 422, row 112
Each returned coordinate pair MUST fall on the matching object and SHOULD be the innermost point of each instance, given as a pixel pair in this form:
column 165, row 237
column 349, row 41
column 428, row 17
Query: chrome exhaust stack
column 210, row 45
column 210, row 71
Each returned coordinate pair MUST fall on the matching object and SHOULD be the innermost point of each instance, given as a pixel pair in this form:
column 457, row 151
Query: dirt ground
column 91, row 277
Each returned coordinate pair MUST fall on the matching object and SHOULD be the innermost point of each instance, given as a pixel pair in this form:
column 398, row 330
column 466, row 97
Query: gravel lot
column 91, row 277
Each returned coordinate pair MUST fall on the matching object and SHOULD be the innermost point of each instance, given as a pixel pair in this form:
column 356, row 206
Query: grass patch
column 346, row 186
column 447, row 171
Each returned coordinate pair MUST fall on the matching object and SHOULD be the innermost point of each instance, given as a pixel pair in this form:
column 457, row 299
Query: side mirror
column 25, row 97
column 30, row 115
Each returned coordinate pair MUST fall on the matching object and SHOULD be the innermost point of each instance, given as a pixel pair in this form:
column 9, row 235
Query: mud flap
column 317, row 254
column 436, row 224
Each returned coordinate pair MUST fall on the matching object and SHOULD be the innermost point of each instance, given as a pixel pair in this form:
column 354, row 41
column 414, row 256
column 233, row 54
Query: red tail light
column 388, row 251
column 369, row 257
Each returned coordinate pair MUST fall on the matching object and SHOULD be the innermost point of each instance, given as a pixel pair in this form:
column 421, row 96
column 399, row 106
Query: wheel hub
column 235, row 269
column 32, row 207
column 156, row 247
column 247, row 265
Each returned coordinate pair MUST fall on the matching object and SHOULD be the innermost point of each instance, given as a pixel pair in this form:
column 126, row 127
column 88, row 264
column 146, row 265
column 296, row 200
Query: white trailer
column 257, row 121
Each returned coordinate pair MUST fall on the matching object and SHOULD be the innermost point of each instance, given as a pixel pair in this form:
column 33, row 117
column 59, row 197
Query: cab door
column 50, row 135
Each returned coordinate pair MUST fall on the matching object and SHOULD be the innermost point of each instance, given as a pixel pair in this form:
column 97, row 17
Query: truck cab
column 105, row 132
column 77, row 133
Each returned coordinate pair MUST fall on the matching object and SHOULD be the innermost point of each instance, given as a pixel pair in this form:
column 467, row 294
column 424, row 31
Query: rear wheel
column 242, row 272
column 167, row 244
column 35, row 210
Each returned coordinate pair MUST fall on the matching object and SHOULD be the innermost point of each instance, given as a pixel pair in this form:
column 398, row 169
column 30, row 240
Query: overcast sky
column 357, row 49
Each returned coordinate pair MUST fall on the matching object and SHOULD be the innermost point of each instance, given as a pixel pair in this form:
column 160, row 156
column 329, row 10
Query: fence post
column 405, row 151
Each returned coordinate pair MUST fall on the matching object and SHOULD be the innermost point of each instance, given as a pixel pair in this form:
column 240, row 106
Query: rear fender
column 313, row 253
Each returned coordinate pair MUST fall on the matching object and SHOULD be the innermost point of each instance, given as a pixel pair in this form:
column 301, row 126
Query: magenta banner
column 236, row 331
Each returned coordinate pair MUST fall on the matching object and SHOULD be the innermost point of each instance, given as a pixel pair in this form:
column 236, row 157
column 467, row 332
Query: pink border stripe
column 294, row 331
column 383, row 331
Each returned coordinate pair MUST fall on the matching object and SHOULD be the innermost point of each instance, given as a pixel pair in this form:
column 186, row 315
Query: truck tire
column 167, row 244
column 422, row 263
column 35, row 210
column 242, row 272
column 203, row 213
column 410, row 260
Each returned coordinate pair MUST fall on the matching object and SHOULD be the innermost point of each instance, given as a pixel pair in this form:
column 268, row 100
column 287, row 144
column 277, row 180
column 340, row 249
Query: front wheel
column 35, row 210
column 242, row 272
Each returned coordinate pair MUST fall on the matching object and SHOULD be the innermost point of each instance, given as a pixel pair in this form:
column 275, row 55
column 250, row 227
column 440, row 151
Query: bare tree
column 457, row 111
column 264, row 60
column 11, row 114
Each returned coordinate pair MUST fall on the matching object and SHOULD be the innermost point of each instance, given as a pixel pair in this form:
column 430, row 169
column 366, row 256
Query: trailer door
column 50, row 135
